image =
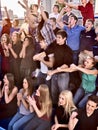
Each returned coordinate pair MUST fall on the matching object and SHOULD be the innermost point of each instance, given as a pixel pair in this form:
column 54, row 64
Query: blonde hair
column 7, row 37
column 69, row 104
column 45, row 100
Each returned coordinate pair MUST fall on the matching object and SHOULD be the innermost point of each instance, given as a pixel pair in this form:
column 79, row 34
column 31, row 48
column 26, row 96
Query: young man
column 87, row 36
column 57, row 54
column 86, row 119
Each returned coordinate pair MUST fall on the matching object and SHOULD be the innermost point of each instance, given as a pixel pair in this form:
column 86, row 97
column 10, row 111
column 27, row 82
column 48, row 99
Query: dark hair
column 74, row 16
column 93, row 98
column 47, row 14
column 41, row 38
column 62, row 33
column 33, row 5
column 53, row 18
column 90, row 20
column 10, row 78
column 56, row 7
column 30, row 85
column 30, row 39
column 41, row 24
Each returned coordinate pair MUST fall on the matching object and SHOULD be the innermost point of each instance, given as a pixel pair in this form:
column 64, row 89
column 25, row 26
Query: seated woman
column 24, row 114
column 42, row 106
column 63, row 111
column 8, row 94
column 88, row 86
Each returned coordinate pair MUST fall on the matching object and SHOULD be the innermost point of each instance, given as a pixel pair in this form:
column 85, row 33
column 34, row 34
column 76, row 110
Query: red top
column 6, row 28
column 44, row 117
column 87, row 12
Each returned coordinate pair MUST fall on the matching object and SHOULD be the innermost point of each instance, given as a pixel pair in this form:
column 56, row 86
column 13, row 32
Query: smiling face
column 60, row 40
column 15, row 37
column 25, row 84
column 88, row 63
column 90, row 107
column 62, row 100
column 3, row 38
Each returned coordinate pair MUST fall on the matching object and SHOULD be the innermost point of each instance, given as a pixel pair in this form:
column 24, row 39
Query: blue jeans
column 37, row 124
column 42, row 79
column 75, row 57
column 59, row 82
column 2, row 128
column 19, row 120
column 81, row 97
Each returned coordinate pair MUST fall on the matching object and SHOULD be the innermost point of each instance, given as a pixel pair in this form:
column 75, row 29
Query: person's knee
column 15, row 126
column 9, row 127
column 82, row 104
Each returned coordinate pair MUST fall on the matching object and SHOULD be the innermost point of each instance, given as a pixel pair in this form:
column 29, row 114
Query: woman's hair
column 41, row 24
column 17, row 34
column 7, row 36
column 30, row 85
column 69, row 104
column 10, row 78
column 45, row 100
column 30, row 39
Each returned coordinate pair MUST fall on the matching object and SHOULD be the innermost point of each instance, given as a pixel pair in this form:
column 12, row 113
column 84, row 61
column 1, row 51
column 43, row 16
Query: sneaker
column 48, row 77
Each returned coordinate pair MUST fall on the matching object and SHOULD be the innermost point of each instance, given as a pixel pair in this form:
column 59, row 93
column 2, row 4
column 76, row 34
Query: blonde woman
column 4, row 51
column 42, row 106
column 63, row 111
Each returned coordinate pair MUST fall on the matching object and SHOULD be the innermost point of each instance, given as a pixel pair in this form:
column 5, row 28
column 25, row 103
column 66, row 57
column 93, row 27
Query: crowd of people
column 49, row 68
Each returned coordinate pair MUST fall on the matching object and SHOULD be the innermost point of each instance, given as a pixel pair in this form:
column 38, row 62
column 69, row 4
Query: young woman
column 8, row 97
column 45, row 28
column 24, row 114
column 5, row 39
column 63, row 111
column 26, row 54
column 14, row 49
column 88, row 86
column 42, row 106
